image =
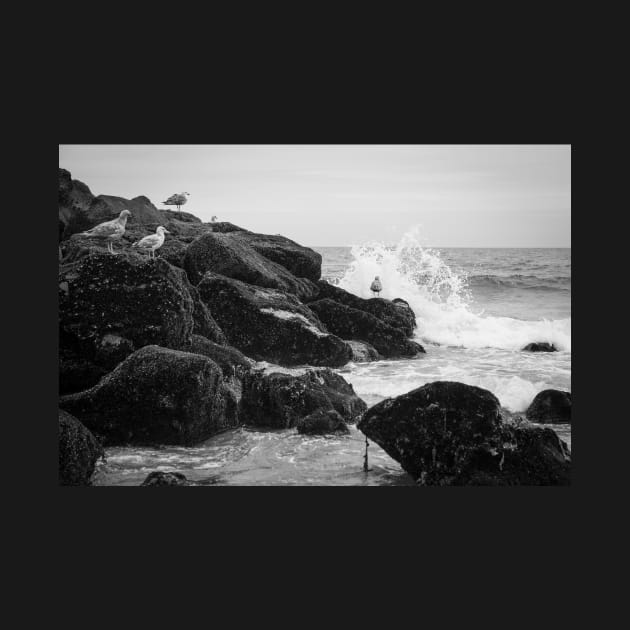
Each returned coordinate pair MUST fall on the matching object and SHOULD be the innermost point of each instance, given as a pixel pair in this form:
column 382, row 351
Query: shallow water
column 476, row 308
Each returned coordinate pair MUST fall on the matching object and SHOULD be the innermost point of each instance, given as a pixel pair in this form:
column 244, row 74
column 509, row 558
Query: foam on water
column 441, row 299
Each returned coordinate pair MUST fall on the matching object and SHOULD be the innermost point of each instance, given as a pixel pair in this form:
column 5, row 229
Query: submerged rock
column 157, row 396
column 160, row 478
column 551, row 406
column 269, row 325
column 279, row 400
column 542, row 346
column 79, row 451
column 322, row 422
column 352, row 323
column 447, row 433
column 230, row 255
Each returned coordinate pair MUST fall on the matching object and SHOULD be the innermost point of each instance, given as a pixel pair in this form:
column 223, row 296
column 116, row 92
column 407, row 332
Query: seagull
column 376, row 286
column 110, row 230
column 214, row 218
column 152, row 242
column 178, row 199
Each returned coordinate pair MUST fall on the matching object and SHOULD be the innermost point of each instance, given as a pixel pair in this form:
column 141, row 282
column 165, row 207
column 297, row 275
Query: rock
column 351, row 323
column 143, row 212
column 302, row 262
column 74, row 199
column 396, row 313
column 269, row 325
column 447, row 433
column 79, row 451
column 231, row 361
column 228, row 255
column 551, row 406
column 542, row 346
column 363, row 352
column 203, row 322
column 279, row 400
column 157, row 396
column 111, row 305
column 160, row 478
column 77, row 373
column 322, row 422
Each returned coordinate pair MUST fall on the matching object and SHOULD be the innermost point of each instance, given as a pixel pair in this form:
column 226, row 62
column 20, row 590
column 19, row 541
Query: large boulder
column 362, row 352
column 157, row 396
column 227, row 254
column 231, row 361
column 111, row 305
column 280, row 400
column 351, row 323
column 74, row 199
column 396, row 313
column 302, row 262
column 269, row 325
column 143, row 212
column 447, row 433
column 79, row 451
column 161, row 478
column 203, row 322
column 322, row 422
column 551, row 406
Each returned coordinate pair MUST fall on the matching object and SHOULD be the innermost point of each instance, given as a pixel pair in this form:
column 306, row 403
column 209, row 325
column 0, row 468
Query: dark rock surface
column 160, row 478
column 279, row 400
column 269, row 325
column 447, row 433
column 203, row 322
column 79, row 451
column 228, row 255
column 542, row 346
column 322, row 422
column 231, row 361
column 351, row 323
column 157, row 396
column 111, row 305
column 551, row 406
column 362, row 352
column 396, row 313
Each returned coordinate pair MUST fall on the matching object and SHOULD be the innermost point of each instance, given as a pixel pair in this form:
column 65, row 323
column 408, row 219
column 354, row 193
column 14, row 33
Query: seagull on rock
column 152, row 242
column 178, row 199
column 376, row 286
column 109, row 231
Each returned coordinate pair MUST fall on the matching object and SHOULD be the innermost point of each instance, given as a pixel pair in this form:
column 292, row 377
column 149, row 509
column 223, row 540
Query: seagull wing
column 148, row 242
column 104, row 230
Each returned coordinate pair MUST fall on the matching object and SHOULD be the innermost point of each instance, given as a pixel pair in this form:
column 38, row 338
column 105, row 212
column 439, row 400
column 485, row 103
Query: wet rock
column 111, row 305
column 351, row 323
column 231, row 361
column 269, row 325
column 279, row 400
column 447, row 433
column 542, row 346
column 79, row 451
column 363, row 352
column 229, row 255
column 160, row 478
column 203, row 322
column 322, row 422
column 551, row 406
column 396, row 313
column 157, row 396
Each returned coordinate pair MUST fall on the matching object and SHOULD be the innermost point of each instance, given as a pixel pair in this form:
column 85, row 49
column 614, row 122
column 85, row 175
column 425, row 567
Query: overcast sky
column 461, row 196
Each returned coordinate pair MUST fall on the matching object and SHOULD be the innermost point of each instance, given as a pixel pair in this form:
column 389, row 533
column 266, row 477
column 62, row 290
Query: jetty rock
column 280, row 400
column 448, row 433
column 79, row 451
column 351, row 323
column 161, row 478
column 110, row 306
column 270, row 325
column 396, row 313
column 157, row 396
column 322, row 422
column 551, row 406
column 230, row 255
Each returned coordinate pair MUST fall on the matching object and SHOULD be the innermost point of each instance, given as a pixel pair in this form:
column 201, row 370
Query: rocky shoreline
column 169, row 351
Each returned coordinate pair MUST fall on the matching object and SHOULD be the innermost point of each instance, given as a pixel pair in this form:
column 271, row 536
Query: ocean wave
column 520, row 281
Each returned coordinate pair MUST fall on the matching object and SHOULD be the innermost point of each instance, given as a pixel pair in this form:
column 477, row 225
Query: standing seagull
column 152, row 242
column 178, row 199
column 376, row 286
column 109, row 231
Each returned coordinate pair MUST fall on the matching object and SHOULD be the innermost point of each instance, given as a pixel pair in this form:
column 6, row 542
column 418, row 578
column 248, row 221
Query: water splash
column 441, row 298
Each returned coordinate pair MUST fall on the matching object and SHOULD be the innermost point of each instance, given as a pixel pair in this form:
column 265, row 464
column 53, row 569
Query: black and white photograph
column 314, row 315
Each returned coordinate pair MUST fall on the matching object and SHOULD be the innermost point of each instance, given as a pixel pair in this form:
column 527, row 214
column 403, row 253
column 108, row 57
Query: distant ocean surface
column 476, row 309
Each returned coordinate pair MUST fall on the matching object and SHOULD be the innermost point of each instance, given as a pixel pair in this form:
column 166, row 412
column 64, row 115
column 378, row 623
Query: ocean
column 475, row 308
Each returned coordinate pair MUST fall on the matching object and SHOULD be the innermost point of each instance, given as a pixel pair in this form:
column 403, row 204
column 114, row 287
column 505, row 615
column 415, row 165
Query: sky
column 334, row 195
